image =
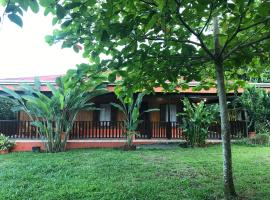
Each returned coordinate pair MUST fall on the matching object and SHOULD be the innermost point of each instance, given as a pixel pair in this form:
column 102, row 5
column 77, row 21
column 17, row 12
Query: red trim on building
column 26, row 145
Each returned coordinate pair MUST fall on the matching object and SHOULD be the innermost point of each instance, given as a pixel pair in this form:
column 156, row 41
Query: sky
column 24, row 52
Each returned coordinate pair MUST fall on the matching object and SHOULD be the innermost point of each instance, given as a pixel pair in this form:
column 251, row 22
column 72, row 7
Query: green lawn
column 144, row 174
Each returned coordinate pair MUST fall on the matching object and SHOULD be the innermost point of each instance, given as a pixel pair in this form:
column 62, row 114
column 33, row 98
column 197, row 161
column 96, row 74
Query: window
column 105, row 112
column 168, row 113
column 171, row 112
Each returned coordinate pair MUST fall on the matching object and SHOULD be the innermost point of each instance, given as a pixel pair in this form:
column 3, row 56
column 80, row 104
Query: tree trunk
column 229, row 190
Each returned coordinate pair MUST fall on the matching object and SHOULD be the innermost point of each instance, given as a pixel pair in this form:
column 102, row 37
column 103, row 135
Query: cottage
column 103, row 127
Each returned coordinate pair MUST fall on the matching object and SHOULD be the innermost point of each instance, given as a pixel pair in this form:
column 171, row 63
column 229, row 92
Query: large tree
column 169, row 43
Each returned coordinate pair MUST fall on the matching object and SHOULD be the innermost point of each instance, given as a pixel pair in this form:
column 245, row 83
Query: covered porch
column 85, row 130
column 105, row 127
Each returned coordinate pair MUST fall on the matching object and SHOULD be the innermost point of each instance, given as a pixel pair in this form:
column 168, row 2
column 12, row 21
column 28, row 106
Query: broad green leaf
column 66, row 23
column 76, row 48
column 152, row 110
column 16, row 19
column 60, row 12
column 55, row 20
column 118, row 106
column 24, row 4
column 151, row 22
column 73, row 5
column 49, row 39
column 46, row 3
column 34, row 6
column 112, row 77
column 11, row 92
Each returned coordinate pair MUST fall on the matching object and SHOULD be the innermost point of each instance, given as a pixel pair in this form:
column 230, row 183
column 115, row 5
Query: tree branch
column 203, row 46
column 169, row 57
column 5, row 10
column 255, row 24
column 238, row 29
column 172, row 39
column 196, row 62
column 247, row 45
column 208, row 19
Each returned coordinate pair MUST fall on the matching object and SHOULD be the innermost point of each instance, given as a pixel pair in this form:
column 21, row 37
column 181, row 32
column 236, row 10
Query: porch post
column 169, row 124
column 148, row 125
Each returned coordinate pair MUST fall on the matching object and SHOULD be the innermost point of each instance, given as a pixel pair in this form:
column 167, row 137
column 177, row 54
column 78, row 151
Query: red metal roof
column 50, row 78
column 13, row 83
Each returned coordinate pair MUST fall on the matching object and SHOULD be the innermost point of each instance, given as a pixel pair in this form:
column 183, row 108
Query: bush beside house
column 5, row 144
column 6, row 109
column 196, row 120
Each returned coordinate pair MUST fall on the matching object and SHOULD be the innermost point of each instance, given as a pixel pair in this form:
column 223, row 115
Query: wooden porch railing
column 90, row 129
column 107, row 129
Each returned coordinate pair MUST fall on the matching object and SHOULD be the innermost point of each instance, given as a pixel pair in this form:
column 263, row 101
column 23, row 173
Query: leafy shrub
column 260, row 139
column 256, row 101
column 5, row 143
column 6, row 112
column 197, row 120
column 243, row 141
column 263, row 127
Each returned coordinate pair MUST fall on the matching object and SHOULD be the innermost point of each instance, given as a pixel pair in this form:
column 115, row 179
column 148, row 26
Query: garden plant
column 5, row 144
column 130, row 107
column 54, row 116
column 196, row 120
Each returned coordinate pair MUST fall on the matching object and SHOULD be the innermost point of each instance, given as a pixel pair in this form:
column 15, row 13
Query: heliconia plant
column 53, row 116
column 130, row 107
column 196, row 120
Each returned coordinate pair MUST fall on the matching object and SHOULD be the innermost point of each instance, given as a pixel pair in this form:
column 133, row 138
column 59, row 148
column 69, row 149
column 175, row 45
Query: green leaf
column 11, row 8
column 76, row 48
column 60, row 11
column 46, row 3
column 161, row 4
column 73, row 5
column 11, row 93
column 48, row 10
column 55, row 20
column 104, row 36
column 118, row 106
column 66, row 23
column 184, row 86
column 112, row 77
column 16, row 19
column 123, row 73
column 49, row 39
column 151, row 22
column 24, row 4
column 34, row 6
column 152, row 110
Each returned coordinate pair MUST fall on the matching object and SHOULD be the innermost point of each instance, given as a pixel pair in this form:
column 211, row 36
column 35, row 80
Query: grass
column 144, row 174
